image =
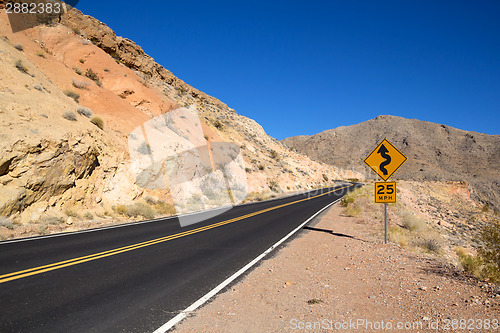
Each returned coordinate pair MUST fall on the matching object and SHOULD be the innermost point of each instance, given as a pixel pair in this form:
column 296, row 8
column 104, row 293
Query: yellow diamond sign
column 385, row 159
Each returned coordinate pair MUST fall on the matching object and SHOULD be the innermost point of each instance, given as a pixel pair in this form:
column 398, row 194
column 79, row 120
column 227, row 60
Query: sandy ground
column 338, row 275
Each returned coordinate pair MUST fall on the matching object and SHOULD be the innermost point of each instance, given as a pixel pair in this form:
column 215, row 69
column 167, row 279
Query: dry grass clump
column 93, row 76
column 6, row 222
column 54, row 220
column 136, row 209
column 259, row 196
column 164, row 208
column 412, row 222
column 80, row 84
column 84, row 112
column 98, row 122
column 72, row 94
column 19, row 47
column 71, row 213
column 69, row 115
column 20, row 66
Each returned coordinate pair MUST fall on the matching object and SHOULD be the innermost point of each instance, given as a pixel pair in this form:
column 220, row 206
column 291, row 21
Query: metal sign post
column 385, row 224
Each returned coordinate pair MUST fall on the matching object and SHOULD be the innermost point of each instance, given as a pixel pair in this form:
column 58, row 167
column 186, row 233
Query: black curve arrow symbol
column 384, row 153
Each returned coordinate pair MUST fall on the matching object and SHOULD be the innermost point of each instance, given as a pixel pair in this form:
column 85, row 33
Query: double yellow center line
column 71, row 262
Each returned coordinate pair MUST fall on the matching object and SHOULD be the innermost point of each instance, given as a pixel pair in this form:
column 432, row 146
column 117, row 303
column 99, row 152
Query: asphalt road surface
column 137, row 277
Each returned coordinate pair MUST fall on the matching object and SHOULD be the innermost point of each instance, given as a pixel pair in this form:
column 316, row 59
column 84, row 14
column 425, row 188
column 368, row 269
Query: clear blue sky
column 304, row 67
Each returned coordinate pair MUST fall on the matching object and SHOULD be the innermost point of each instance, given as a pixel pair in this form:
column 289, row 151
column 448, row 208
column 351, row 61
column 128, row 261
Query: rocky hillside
column 434, row 151
column 71, row 94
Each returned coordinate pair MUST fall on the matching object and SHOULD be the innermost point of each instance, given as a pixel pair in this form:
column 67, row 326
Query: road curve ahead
column 137, row 277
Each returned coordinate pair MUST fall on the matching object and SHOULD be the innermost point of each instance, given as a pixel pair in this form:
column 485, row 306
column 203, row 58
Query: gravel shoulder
column 339, row 272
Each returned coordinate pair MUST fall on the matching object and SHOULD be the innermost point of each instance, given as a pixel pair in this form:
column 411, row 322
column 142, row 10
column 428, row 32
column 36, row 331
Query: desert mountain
column 72, row 93
column 434, row 151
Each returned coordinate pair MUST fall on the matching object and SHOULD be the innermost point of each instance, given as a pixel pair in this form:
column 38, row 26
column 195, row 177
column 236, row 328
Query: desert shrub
column 218, row 125
column 40, row 53
column 120, row 209
column 69, row 115
column 88, row 215
column 80, row 84
column 397, row 235
column 274, row 154
column 19, row 47
column 164, row 208
column 346, row 200
column 77, row 70
column 7, row 223
column 72, row 94
column 50, row 220
column 352, row 211
column 273, row 185
column 82, row 61
column 490, row 251
column 106, row 70
column 325, row 177
column 248, row 170
column 486, row 208
column 93, row 76
column 141, row 209
column 98, row 122
column 412, row 222
column 71, row 213
column 431, row 244
column 20, row 66
column 84, row 112
column 261, row 167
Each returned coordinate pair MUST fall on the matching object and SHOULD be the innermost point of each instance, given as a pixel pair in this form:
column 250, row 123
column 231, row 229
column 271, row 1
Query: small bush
column 325, row 177
column 71, row 213
column 98, row 122
column 50, row 220
column 20, row 66
column 273, row 185
column 77, row 70
column 397, row 235
column 69, row 115
column 141, row 209
column 88, row 216
column 218, row 125
column 82, row 61
column 106, row 70
column 84, row 112
column 120, row 209
column 431, row 244
column 72, row 94
column 93, row 76
column 261, row 167
column 346, row 200
column 314, row 301
column 165, row 209
column 40, row 53
column 19, row 47
column 412, row 222
column 490, row 252
column 274, row 154
column 7, row 223
column 353, row 211
column 80, row 84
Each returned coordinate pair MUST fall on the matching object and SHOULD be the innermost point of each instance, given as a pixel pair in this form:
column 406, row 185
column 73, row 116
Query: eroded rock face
column 32, row 173
column 129, row 53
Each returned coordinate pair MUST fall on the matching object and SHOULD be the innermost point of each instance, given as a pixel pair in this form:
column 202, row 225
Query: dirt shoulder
column 339, row 272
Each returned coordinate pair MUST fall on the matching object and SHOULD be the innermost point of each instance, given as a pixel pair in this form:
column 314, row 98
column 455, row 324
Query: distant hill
column 434, row 151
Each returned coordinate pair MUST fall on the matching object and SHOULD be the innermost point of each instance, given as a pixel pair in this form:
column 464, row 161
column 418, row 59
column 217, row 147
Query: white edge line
column 139, row 222
column 174, row 321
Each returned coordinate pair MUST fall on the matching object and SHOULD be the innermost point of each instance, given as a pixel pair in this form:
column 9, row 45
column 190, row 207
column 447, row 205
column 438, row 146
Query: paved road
column 137, row 277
